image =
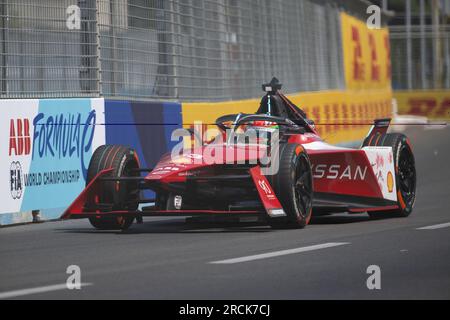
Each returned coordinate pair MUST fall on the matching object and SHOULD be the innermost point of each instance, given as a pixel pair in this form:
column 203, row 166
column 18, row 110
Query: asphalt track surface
column 170, row 259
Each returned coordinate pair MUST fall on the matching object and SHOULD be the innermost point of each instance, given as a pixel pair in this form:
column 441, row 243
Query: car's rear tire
column 121, row 195
column 293, row 186
column 405, row 170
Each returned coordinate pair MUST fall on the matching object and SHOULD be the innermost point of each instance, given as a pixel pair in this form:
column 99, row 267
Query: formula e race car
column 271, row 164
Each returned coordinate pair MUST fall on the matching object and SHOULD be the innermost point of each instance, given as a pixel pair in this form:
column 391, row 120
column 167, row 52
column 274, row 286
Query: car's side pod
column 378, row 129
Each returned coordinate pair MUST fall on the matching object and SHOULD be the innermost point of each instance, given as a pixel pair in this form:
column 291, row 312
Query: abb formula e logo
column 19, row 137
column 336, row 171
column 16, row 180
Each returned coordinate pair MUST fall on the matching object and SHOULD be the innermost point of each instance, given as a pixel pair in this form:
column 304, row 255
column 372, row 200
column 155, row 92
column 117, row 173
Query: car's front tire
column 293, row 186
column 121, row 195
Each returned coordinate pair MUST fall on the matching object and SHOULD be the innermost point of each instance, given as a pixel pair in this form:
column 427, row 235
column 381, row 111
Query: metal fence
column 40, row 56
column 168, row 49
column 420, row 44
column 421, row 57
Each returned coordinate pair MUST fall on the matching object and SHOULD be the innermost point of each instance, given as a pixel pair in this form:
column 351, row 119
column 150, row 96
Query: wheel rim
column 303, row 187
column 407, row 175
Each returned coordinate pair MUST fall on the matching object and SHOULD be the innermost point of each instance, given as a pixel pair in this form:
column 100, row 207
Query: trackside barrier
column 433, row 104
column 46, row 145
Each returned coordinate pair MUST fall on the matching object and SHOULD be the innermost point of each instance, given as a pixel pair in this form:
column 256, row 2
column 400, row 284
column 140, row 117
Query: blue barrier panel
column 143, row 126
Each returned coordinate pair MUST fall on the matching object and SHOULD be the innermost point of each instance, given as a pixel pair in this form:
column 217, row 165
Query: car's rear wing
column 379, row 128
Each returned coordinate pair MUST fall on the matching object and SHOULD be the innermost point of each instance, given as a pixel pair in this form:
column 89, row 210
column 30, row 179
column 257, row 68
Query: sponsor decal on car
column 264, row 187
column 177, row 202
column 381, row 160
column 390, row 182
column 336, row 171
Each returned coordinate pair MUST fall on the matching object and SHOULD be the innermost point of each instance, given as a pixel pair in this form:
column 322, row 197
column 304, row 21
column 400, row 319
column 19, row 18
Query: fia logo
column 16, row 180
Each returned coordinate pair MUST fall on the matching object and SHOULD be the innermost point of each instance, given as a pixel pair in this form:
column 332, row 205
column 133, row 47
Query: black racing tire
column 405, row 172
column 121, row 195
column 293, row 186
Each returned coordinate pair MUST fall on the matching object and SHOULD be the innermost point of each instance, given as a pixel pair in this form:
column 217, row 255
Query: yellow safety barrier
column 433, row 104
column 366, row 55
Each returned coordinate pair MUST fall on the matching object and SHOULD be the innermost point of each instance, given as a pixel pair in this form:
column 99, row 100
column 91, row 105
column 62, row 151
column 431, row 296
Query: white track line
column 25, row 292
column 435, row 226
column 280, row 253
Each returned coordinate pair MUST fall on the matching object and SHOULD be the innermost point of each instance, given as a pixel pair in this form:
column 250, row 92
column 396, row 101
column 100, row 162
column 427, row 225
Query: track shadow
column 203, row 227
column 180, row 226
column 339, row 219
column 348, row 218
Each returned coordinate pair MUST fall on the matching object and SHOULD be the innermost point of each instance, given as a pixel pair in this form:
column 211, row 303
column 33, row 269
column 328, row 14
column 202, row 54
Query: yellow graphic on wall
column 367, row 59
column 433, row 104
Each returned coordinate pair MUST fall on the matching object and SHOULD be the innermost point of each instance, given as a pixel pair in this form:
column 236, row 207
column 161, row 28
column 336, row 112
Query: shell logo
column 298, row 149
column 390, row 181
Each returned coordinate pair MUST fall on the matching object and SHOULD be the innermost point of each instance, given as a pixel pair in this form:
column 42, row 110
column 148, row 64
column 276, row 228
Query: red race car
column 272, row 164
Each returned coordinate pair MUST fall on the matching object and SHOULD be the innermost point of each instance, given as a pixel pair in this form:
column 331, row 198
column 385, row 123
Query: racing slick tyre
column 405, row 177
column 120, row 195
column 293, row 187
